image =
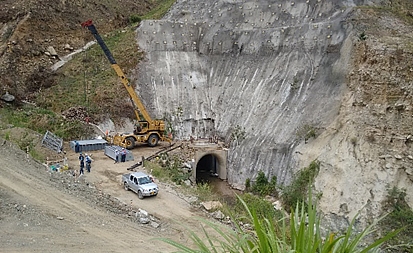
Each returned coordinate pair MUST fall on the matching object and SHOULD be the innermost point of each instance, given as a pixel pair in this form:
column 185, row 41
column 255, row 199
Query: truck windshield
column 144, row 180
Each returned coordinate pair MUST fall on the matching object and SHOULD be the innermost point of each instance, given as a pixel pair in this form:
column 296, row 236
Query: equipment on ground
column 146, row 129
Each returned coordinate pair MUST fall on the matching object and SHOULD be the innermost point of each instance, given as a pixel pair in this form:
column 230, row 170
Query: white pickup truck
column 140, row 183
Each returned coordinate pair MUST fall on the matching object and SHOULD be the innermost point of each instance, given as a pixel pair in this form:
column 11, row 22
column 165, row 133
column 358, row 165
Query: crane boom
column 138, row 105
column 147, row 130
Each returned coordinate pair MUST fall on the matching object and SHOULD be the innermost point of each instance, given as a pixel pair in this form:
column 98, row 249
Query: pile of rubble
column 76, row 113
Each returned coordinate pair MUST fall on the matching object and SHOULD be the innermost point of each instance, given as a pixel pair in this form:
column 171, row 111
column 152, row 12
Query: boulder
column 8, row 97
column 211, row 205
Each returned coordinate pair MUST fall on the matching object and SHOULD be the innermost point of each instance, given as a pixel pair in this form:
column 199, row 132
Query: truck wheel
column 130, row 142
column 153, row 140
column 140, row 195
column 126, row 186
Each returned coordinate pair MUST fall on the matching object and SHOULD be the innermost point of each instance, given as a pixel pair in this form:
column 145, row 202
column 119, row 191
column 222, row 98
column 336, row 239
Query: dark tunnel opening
column 207, row 169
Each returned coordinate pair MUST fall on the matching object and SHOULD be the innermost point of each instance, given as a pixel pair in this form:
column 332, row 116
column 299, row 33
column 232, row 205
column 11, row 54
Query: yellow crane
column 146, row 130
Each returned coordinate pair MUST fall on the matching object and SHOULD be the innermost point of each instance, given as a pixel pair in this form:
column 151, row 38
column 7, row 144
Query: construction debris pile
column 76, row 113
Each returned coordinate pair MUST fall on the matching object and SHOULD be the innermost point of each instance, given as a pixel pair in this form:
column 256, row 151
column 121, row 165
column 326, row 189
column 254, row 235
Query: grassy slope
column 86, row 81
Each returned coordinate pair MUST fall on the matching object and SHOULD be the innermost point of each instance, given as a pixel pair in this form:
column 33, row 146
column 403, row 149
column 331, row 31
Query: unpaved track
column 106, row 175
column 38, row 215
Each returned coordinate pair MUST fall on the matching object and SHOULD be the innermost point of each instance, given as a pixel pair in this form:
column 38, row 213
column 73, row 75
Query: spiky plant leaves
column 302, row 235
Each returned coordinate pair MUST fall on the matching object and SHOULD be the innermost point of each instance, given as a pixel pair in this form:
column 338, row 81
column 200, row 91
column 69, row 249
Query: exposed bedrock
column 263, row 74
column 263, row 67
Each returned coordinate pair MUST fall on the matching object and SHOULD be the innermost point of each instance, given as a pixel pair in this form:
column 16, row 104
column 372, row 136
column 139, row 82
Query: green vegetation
column 88, row 80
column 295, row 84
column 36, row 155
column 162, row 7
column 400, row 215
column 167, row 168
column 135, row 19
column 41, row 120
column 362, row 36
column 7, row 135
column 301, row 233
column 204, row 192
column 262, row 187
column 306, row 132
column 300, row 185
column 248, row 184
column 291, row 194
column 238, row 134
column 401, row 8
column 262, row 207
column 28, row 143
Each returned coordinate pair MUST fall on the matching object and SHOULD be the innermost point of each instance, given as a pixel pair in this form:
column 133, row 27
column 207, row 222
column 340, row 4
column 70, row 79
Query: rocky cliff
column 264, row 74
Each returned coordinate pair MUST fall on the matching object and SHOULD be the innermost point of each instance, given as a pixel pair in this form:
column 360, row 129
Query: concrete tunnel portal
column 206, row 168
column 210, row 164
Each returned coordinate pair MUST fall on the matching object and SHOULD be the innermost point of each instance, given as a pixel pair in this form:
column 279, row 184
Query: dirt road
column 106, row 176
column 43, row 211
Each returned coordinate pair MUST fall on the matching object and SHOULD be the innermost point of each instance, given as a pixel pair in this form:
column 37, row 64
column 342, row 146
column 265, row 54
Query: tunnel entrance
column 209, row 163
column 206, row 169
column 211, row 169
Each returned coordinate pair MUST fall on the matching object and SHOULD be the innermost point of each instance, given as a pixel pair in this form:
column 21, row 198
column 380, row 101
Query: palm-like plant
column 301, row 235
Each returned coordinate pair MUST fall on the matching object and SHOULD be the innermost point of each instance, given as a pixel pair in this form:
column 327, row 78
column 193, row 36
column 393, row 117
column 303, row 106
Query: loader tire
column 153, row 140
column 130, row 143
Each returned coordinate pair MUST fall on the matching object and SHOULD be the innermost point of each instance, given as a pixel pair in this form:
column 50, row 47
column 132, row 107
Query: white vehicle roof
column 139, row 174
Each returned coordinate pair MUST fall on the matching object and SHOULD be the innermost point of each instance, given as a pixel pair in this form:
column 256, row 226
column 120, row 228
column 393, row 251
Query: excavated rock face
column 265, row 66
column 253, row 70
column 268, row 77
column 368, row 148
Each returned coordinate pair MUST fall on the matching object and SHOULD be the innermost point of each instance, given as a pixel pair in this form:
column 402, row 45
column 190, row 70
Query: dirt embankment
column 33, row 36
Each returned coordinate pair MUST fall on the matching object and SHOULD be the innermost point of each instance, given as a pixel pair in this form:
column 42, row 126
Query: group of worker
column 84, row 159
column 120, row 156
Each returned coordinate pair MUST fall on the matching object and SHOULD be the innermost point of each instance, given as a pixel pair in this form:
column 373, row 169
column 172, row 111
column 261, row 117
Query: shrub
column 400, row 215
column 135, row 19
column 238, row 134
column 7, row 136
column 306, row 132
column 167, row 167
column 297, row 190
column 204, row 192
column 302, row 234
column 262, row 207
column 262, row 186
column 362, row 36
column 248, row 184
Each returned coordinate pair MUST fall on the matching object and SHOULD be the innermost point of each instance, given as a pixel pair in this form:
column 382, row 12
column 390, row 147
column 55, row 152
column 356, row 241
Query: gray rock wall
column 265, row 67
column 259, row 72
